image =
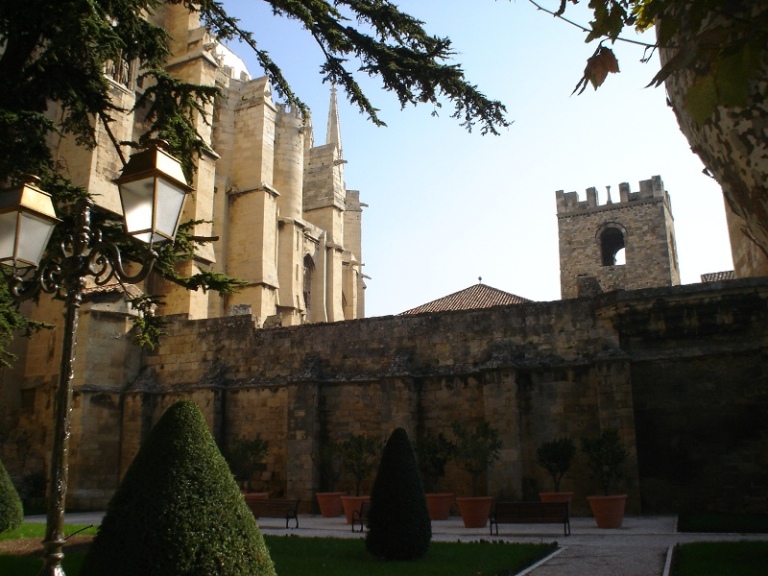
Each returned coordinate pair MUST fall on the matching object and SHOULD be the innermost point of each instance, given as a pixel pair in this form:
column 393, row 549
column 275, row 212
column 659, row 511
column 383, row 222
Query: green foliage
column 722, row 43
column 178, row 511
column 399, row 527
column 433, row 452
column 722, row 522
column 717, row 558
column 11, row 509
column 556, row 457
column 476, row 451
column 12, row 322
column 246, row 456
column 605, row 456
column 358, row 457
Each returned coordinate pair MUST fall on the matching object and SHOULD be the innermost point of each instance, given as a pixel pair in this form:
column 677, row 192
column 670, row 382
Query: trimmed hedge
column 399, row 527
column 11, row 509
column 178, row 510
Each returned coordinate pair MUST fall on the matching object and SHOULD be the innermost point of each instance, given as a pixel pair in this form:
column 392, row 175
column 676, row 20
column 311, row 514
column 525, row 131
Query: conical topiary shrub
column 178, row 510
column 398, row 523
column 11, row 509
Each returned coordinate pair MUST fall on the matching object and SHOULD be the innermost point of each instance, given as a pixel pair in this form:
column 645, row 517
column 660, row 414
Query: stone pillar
column 501, row 412
column 300, row 448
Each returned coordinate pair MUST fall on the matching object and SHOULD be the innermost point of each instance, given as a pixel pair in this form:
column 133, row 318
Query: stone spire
column 333, row 133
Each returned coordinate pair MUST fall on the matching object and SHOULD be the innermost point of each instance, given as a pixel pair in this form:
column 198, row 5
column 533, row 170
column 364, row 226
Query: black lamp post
column 152, row 191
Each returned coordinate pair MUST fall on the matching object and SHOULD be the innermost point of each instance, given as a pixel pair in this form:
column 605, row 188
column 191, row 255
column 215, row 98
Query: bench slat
column 276, row 508
column 531, row 513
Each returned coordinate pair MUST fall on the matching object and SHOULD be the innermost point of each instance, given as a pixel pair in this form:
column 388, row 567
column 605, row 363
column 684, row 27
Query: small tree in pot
column 245, row 457
column 359, row 454
column 434, row 451
column 358, row 457
column 605, row 457
column 556, row 457
column 476, row 452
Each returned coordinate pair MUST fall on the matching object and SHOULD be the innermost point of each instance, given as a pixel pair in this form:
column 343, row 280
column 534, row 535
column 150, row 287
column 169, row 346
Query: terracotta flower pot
column 475, row 510
column 608, row 510
column 330, row 504
column 439, row 505
column 352, row 503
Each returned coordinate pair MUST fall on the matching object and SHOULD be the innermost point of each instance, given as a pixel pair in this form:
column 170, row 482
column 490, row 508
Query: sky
column 446, row 207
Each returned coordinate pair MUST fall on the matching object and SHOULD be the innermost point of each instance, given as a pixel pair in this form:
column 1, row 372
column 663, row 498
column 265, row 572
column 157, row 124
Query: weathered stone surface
column 680, row 371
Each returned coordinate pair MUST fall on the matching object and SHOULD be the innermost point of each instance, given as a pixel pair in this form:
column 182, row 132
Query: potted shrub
column 330, row 470
column 476, row 451
column 605, row 457
column 358, row 455
column 556, row 457
column 246, row 457
column 434, row 451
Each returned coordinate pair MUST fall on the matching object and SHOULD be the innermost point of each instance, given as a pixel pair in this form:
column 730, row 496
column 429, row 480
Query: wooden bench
column 361, row 516
column 530, row 513
column 276, row 508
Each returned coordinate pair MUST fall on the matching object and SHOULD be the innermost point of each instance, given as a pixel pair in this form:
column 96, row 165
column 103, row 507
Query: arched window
column 612, row 247
column 309, row 269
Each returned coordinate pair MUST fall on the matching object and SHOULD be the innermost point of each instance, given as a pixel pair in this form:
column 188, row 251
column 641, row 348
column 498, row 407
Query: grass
column 721, row 559
column 717, row 522
column 35, row 530
column 294, row 556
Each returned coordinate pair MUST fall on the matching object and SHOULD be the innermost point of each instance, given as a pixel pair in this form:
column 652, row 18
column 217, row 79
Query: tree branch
column 585, row 29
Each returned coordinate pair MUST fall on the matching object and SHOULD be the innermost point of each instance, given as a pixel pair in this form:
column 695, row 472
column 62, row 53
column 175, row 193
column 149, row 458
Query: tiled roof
column 477, row 296
column 129, row 289
column 717, row 276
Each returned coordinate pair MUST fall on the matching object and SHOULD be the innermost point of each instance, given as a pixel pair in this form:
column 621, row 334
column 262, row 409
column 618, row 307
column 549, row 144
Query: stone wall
column 680, row 372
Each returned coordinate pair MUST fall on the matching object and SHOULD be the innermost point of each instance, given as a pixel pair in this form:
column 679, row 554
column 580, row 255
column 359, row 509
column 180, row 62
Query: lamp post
column 152, row 191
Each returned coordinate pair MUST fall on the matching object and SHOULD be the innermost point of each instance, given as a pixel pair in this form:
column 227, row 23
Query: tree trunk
column 732, row 144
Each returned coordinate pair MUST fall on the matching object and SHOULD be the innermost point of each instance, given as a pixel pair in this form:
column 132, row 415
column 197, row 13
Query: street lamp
column 152, row 190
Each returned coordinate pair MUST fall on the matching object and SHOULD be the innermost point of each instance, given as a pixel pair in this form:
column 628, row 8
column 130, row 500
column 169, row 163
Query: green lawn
column 30, row 530
column 721, row 559
column 722, row 522
column 295, row 556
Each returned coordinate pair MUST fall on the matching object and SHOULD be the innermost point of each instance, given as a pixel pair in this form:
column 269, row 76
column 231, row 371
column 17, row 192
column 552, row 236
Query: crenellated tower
column 629, row 244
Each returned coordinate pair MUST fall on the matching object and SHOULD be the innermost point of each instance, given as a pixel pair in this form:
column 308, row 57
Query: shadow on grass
column 723, row 523
column 720, row 559
column 294, row 556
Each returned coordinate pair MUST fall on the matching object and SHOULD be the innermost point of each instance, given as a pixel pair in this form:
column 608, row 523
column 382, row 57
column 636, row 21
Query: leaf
column 701, row 99
column 598, row 67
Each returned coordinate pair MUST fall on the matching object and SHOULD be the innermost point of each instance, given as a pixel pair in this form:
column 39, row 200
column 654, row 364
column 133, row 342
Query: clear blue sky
column 446, row 207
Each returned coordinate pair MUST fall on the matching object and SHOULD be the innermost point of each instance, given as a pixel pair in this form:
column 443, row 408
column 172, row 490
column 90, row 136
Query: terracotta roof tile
column 477, row 296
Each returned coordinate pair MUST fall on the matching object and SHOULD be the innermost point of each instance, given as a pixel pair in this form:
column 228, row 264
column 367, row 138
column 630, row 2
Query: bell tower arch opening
column 612, row 246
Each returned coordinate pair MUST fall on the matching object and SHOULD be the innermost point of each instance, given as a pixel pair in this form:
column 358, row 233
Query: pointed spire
column 333, row 134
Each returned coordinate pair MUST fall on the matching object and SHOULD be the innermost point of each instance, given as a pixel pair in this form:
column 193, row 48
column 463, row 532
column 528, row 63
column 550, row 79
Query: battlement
column 568, row 202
